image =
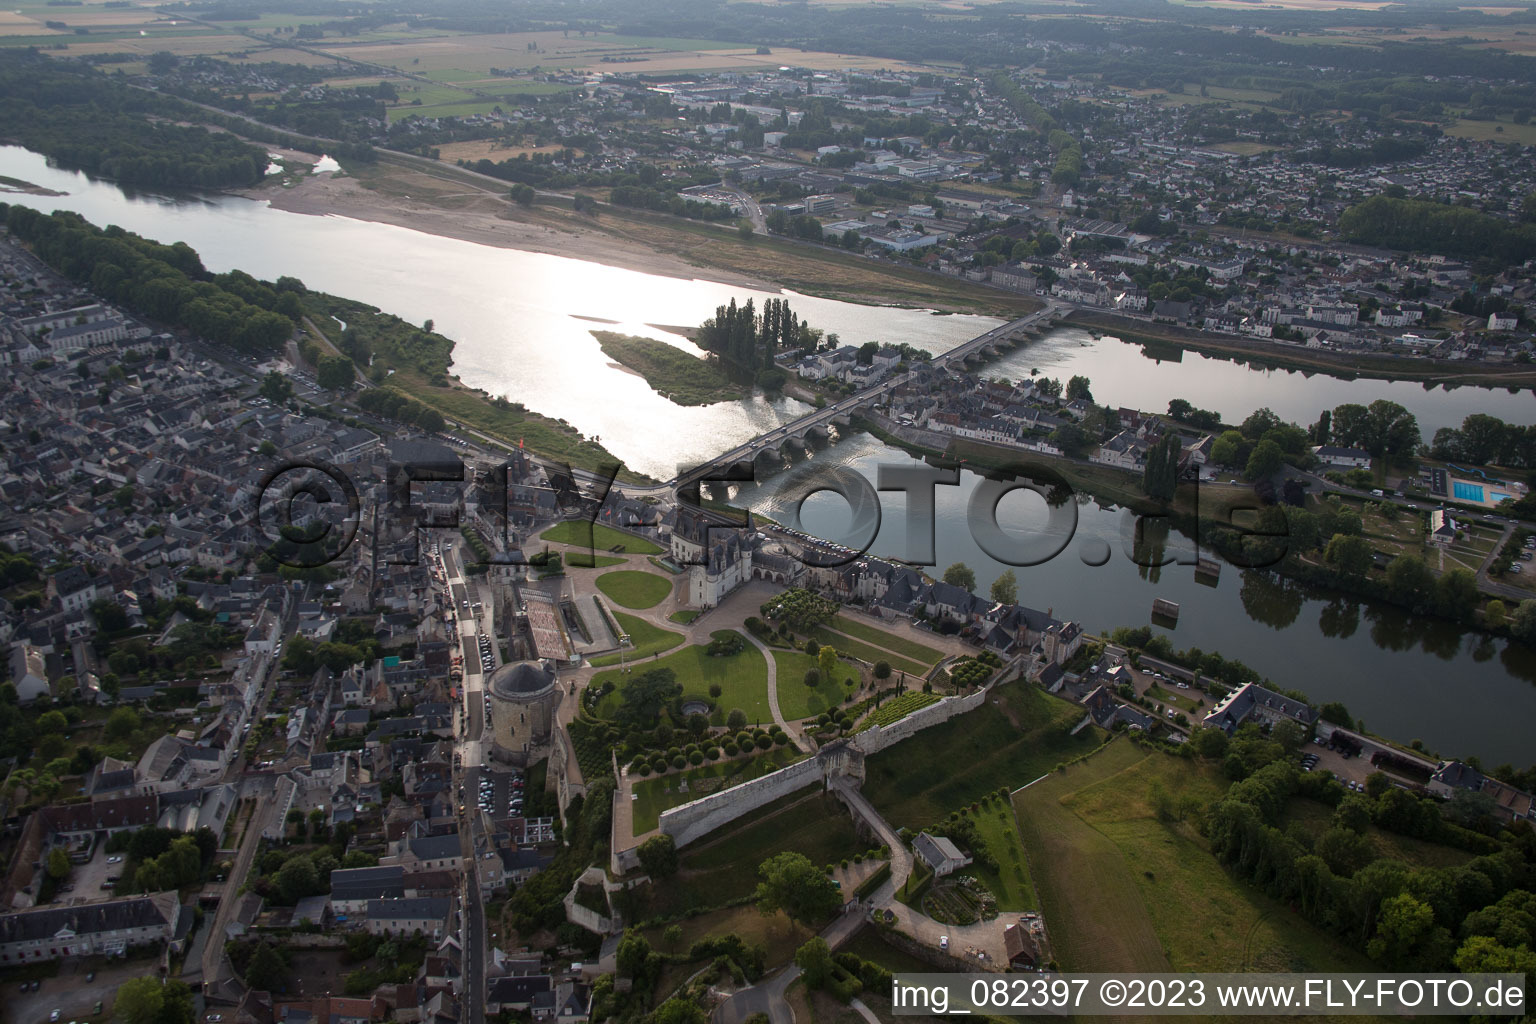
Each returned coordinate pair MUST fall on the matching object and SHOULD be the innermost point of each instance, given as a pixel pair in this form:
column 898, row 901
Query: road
column 469, row 737
column 767, row 996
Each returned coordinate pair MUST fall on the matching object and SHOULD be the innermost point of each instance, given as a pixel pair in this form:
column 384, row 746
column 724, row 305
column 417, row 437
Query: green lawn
column 604, row 538
column 583, row 560
column 920, row 780
column 871, row 654
column 890, row 641
column 684, row 616
column 1123, row 890
column 1010, row 883
column 634, row 589
column 652, row 796
column 646, row 638
column 796, row 700
column 742, row 677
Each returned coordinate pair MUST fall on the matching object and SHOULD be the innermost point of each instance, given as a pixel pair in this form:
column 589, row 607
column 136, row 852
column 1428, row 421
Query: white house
column 28, row 673
column 1501, row 323
column 942, row 856
column 1343, row 458
column 1442, row 528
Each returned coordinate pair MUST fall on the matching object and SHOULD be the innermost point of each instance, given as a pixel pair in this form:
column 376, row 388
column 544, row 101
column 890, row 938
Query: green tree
column 1409, row 580
column 52, row 722
column 658, row 856
column 1456, row 593
column 1351, row 557
column 334, row 372
column 1494, row 613
column 882, row 670
column 1079, row 387
column 960, row 575
column 815, row 962
column 58, row 864
column 276, row 388
column 297, row 878
column 826, row 661
column 139, row 1000
column 678, row 1010
column 266, row 971
column 791, row 883
column 1403, row 924
column 1005, row 590
column 1265, row 460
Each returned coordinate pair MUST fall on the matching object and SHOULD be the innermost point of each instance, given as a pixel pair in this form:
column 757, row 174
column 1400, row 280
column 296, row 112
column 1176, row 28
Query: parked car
column 943, row 941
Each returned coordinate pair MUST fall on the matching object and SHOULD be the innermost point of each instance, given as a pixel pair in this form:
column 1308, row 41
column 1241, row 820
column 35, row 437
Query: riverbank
column 1336, row 364
column 1219, row 519
column 683, row 378
column 448, row 201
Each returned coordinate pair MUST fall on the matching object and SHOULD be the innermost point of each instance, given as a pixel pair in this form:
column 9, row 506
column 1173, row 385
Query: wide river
column 518, row 322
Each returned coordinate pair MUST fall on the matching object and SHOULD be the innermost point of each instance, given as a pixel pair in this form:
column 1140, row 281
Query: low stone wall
column 879, row 737
column 702, row 816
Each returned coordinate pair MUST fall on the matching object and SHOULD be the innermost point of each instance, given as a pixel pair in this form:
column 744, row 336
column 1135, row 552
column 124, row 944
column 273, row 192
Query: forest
column 164, row 283
column 1417, row 225
column 85, row 122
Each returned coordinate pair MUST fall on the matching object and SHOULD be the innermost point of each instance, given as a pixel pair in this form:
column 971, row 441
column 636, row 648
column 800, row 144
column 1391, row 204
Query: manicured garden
column 796, row 700
column 652, row 796
column 893, row 642
column 741, row 677
column 634, row 589
column 647, row 639
column 899, row 707
column 603, row 538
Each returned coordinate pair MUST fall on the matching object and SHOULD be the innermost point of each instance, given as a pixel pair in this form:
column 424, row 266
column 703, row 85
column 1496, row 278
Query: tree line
column 85, row 122
column 1419, row 225
column 1476, row 916
column 748, row 339
column 165, row 283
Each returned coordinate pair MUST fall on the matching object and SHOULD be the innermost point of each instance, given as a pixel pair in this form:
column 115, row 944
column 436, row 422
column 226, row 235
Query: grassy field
column 683, row 378
column 652, row 796
column 604, row 538
column 743, row 680
column 684, row 616
column 646, row 638
column 634, row 589
column 1123, row 890
column 1013, row 739
column 901, row 645
column 796, row 700
column 723, row 865
column 509, row 424
column 1011, row 882
column 868, row 652
column 1494, row 131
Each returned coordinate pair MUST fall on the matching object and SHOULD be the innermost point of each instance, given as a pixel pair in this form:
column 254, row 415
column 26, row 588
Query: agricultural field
column 1019, row 735
column 796, row 700
column 652, row 796
column 742, row 677
column 633, row 589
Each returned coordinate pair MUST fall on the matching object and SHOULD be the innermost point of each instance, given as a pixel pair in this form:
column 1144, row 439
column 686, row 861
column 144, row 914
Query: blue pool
column 1467, row 492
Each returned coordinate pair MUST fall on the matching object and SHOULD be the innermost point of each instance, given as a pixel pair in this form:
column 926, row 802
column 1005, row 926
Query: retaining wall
column 702, row 816
column 699, row 817
column 879, row 737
